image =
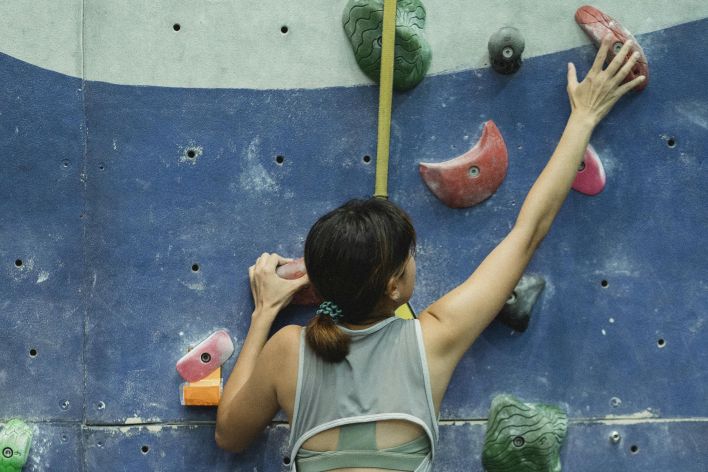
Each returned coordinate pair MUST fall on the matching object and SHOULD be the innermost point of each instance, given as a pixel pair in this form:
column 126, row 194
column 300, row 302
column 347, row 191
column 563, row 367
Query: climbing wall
column 154, row 150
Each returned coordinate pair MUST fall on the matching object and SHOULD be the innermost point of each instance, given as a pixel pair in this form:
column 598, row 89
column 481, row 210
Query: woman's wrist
column 264, row 316
column 582, row 120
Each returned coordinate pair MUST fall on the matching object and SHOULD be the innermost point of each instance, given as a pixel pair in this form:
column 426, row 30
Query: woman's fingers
column 601, row 54
column 283, row 260
column 624, row 88
column 627, row 67
column 572, row 76
column 619, row 58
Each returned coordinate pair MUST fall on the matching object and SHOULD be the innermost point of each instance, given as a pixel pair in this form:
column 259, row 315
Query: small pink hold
column 208, row 356
column 590, row 179
column 294, row 270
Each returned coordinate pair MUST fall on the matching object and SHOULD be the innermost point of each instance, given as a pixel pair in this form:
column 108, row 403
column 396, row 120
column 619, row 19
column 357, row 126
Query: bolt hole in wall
column 366, row 159
column 195, row 267
column 286, row 460
column 279, row 159
column 100, row 406
column 101, row 166
column 284, row 29
column 65, row 162
column 191, row 153
column 604, row 283
column 176, row 27
column 18, row 263
column 65, row 405
column 661, row 343
column 145, row 449
column 33, row 352
column 634, row 449
column 671, row 142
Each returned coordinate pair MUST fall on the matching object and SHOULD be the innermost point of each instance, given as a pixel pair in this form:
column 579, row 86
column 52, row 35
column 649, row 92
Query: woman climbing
column 362, row 388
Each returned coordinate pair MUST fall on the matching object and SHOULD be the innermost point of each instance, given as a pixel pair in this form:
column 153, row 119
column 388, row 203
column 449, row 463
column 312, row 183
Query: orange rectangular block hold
column 205, row 392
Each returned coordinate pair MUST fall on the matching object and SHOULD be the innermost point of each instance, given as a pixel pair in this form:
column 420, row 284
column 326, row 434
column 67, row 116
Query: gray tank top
column 384, row 377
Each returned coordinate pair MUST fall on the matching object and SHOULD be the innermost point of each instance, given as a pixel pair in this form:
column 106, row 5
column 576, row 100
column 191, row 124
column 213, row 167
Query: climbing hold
column 204, row 392
column 206, row 357
column 471, row 177
column 15, row 443
column 517, row 309
column 523, row 437
column 590, row 179
column 294, row 270
column 362, row 21
column 597, row 25
column 505, row 48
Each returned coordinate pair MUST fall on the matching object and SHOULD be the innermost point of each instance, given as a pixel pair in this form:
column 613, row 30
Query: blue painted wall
column 107, row 213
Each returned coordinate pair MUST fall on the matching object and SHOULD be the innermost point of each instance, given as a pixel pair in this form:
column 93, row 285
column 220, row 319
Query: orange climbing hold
column 205, row 392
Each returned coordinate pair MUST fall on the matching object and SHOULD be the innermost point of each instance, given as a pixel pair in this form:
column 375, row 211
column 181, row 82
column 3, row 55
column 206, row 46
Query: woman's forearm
column 252, row 347
column 547, row 194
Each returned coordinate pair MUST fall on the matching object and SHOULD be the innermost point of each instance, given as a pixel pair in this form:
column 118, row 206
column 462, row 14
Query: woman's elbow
column 227, row 443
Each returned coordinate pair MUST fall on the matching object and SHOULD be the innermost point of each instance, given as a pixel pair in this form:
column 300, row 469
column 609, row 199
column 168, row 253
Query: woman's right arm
column 451, row 324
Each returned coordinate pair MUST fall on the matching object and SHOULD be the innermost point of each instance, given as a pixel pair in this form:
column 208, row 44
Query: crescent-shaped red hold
column 294, row 270
column 597, row 25
column 473, row 176
column 590, row 178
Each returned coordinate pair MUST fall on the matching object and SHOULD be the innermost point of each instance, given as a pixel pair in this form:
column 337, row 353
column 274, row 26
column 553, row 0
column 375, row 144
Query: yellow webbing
column 388, row 42
column 388, row 39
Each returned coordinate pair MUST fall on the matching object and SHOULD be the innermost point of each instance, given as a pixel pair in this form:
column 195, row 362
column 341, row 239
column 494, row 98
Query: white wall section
column 239, row 44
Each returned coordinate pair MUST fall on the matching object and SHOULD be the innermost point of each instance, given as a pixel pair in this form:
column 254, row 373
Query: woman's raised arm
column 452, row 323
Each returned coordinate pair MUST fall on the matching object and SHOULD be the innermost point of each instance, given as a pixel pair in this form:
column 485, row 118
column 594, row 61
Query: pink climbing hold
column 597, row 25
column 590, row 179
column 208, row 356
column 473, row 176
column 295, row 270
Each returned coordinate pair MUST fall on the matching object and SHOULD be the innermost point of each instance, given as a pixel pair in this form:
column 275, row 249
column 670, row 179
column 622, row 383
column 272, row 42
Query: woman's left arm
column 249, row 400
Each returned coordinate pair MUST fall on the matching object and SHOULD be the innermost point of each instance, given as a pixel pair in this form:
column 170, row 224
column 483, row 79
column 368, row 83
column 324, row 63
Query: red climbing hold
column 590, row 179
column 472, row 177
column 597, row 25
column 295, row 270
column 206, row 357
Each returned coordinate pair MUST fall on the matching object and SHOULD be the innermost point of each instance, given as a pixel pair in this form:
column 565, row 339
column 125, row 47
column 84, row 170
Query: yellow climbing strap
column 388, row 40
column 388, row 43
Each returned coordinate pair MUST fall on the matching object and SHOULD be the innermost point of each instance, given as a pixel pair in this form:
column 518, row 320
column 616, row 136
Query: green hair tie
column 330, row 309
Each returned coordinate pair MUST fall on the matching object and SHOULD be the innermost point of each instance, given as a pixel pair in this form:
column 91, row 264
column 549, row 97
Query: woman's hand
column 272, row 293
column 594, row 97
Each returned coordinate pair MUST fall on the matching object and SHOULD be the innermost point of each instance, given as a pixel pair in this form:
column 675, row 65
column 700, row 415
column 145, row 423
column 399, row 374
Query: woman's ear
column 392, row 289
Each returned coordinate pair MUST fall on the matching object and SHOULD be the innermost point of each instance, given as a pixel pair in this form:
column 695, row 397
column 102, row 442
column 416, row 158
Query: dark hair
column 350, row 254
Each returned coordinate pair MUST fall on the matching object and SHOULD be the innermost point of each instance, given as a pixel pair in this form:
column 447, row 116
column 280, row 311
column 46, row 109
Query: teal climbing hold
column 523, row 437
column 363, row 24
column 15, row 442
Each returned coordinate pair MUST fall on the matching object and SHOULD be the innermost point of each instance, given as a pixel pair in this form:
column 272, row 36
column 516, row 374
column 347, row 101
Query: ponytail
column 326, row 339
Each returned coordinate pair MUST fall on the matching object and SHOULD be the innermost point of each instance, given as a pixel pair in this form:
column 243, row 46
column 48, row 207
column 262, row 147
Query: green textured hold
column 523, row 437
column 15, row 442
column 363, row 20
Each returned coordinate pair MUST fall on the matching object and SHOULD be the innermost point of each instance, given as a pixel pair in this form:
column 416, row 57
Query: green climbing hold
column 523, row 437
column 363, row 24
column 15, row 442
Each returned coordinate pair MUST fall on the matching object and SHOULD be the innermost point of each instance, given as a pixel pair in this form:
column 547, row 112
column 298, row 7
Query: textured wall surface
column 103, row 214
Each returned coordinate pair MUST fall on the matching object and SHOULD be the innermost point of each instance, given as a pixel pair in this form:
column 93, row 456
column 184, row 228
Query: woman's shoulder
column 287, row 337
